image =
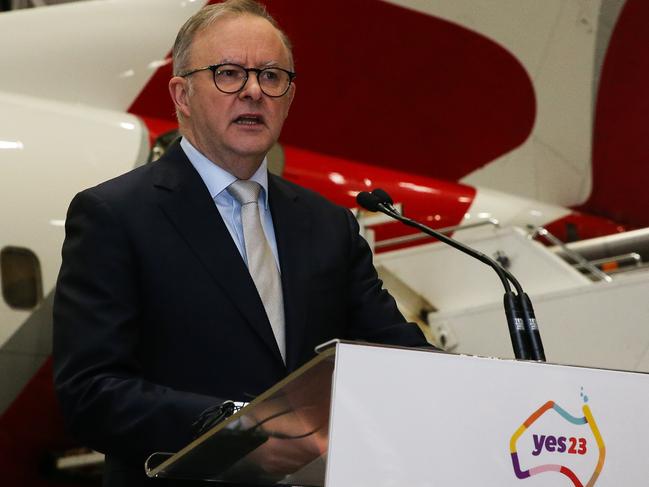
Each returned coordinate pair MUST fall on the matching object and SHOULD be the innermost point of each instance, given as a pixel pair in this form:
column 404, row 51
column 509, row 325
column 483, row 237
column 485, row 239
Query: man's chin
column 253, row 150
column 251, row 141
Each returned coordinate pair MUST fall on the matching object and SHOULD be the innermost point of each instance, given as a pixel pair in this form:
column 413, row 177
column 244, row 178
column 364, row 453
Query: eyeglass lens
column 231, row 78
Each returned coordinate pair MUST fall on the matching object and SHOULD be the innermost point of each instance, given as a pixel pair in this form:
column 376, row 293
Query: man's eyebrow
column 267, row 64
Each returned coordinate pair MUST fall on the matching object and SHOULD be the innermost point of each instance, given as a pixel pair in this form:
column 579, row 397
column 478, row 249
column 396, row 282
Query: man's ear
column 179, row 92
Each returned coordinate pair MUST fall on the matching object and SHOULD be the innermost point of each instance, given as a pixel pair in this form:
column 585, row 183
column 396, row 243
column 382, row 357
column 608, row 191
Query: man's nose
column 251, row 88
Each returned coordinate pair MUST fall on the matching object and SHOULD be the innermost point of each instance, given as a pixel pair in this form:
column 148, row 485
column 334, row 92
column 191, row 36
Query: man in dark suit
column 165, row 304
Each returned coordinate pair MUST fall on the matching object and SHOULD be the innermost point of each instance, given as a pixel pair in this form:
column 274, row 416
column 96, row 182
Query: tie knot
column 244, row 191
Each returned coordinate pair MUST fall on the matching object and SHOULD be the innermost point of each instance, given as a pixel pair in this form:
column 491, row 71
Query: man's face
column 234, row 128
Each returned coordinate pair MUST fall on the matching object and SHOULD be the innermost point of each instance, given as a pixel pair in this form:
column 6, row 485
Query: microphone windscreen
column 368, row 201
column 383, row 196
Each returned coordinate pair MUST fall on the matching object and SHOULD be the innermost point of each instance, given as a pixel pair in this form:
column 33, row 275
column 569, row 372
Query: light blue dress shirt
column 217, row 181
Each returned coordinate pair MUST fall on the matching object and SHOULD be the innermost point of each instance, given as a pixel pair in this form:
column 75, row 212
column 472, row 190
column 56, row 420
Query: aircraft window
column 20, row 273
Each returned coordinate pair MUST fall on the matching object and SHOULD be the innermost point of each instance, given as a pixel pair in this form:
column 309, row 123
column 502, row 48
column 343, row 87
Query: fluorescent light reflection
column 11, row 144
column 418, row 188
column 158, row 63
column 337, row 178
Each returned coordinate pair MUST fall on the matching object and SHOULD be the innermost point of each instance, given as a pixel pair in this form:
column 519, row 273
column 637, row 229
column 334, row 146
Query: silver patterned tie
column 261, row 262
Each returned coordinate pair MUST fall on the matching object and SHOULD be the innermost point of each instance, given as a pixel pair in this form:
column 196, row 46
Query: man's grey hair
column 206, row 17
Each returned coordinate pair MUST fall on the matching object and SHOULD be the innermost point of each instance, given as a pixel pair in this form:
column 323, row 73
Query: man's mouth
column 249, row 119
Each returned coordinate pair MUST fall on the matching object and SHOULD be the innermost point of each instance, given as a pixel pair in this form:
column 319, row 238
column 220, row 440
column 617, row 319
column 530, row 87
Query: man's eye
column 227, row 73
column 270, row 75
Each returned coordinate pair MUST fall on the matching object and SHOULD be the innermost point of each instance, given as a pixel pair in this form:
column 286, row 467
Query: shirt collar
column 218, row 179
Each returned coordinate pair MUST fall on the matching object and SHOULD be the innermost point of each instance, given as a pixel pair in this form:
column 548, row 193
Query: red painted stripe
column 579, row 226
column 621, row 131
column 30, row 428
column 434, row 202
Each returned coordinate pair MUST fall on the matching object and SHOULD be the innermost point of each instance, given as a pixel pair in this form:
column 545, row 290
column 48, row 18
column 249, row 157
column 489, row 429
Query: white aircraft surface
column 501, row 116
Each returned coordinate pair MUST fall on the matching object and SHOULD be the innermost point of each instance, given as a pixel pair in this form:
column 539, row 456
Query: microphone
column 368, row 201
column 383, row 197
column 521, row 320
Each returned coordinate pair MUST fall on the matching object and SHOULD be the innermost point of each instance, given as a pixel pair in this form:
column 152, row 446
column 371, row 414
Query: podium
column 368, row 415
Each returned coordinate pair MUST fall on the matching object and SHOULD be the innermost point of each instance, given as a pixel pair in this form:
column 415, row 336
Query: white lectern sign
column 415, row 418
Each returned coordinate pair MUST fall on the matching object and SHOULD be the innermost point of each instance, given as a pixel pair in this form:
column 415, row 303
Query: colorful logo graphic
column 559, row 445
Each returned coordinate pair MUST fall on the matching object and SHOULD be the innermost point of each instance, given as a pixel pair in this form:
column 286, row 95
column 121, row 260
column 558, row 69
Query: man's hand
column 296, row 438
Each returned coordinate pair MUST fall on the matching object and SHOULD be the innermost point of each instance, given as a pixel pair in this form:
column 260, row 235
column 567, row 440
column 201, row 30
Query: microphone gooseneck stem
column 502, row 273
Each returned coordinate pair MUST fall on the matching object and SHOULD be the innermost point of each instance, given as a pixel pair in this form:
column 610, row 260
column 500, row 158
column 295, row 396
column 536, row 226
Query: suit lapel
column 292, row 233
column 184, row 198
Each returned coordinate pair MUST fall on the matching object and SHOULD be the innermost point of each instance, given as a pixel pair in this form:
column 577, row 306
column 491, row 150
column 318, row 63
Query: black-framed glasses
column 231, row 78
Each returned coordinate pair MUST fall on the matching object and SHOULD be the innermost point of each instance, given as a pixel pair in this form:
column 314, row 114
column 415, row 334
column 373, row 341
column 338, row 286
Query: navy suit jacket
column 156, row 317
